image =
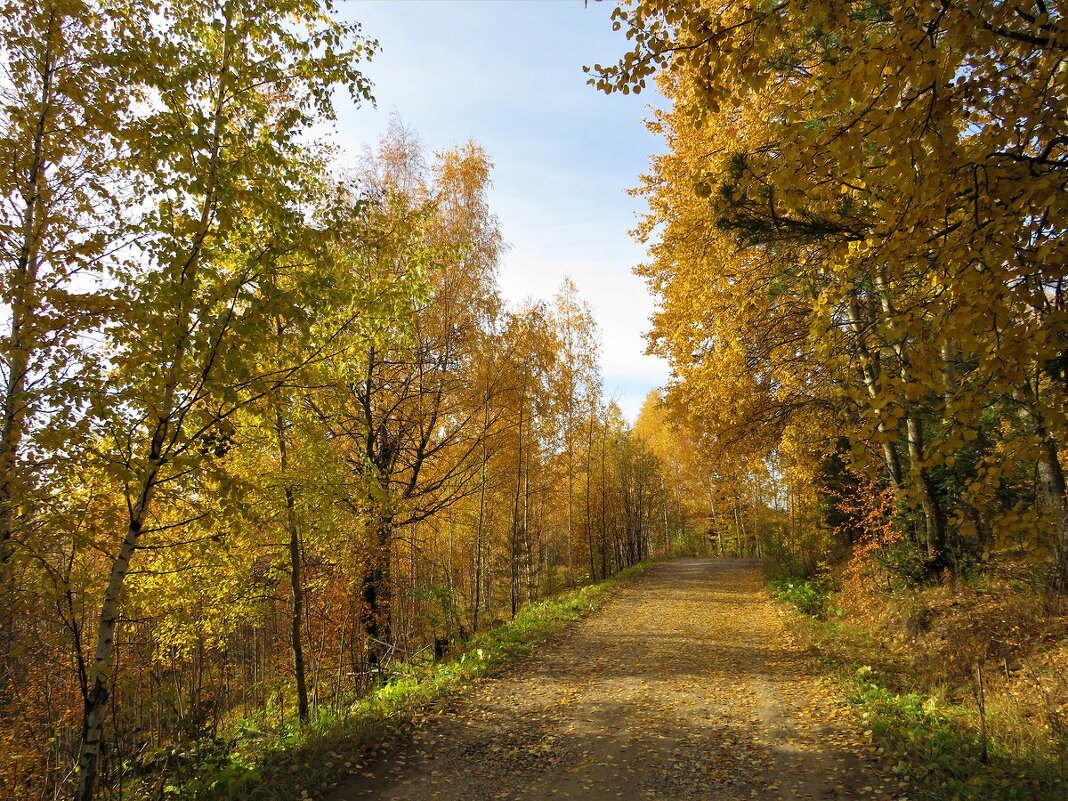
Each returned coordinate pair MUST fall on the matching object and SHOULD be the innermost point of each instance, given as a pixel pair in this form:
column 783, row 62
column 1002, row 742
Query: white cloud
column 621, row 306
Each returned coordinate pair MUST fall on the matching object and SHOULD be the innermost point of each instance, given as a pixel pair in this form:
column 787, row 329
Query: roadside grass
column 306, row 761
column 933, row 732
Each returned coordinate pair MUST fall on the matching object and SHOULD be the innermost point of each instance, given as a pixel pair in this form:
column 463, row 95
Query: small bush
column 810, row 597
column 905, row 560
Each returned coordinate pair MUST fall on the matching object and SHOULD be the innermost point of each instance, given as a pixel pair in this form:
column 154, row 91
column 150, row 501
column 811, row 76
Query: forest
column 267, row 430
column 857, row 241
column 270, row 433
column 857, row 244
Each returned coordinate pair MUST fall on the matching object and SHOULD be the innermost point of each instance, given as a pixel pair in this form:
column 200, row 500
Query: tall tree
column 408, row 420
column 577, row 379
column 222, row 172
column 64, row 107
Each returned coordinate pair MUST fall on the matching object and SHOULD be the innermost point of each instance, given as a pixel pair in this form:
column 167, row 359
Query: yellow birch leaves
column 887, row 182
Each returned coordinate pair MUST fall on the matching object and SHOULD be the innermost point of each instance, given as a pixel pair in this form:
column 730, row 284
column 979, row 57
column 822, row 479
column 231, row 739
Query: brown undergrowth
column 966, row 678
column 1004, row 623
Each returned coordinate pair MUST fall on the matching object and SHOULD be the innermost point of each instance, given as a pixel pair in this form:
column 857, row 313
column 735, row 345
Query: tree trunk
column 740, row 526
column 294, row 571
column 870, row 379
column 664, row 494
column 515, row 518
column 932, row 506
column 570, row 503
column 529, row 556
column 604, row 501
column 1051, row 473
column 96, row 691
column 715, row 521
column 478, row 540
column 589, row 516
column 1051, row 477
column 377, row 592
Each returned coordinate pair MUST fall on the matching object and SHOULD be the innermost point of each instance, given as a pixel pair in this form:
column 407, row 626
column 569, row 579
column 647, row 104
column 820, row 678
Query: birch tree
column 228, row 88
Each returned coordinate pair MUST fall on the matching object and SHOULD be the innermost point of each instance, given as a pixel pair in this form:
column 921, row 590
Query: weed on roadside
column 809, row 596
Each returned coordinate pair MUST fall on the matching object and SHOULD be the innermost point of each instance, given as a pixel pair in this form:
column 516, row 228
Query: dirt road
column 684, row 686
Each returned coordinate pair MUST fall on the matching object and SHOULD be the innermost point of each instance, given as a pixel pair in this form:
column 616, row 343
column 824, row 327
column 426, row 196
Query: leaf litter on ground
column 684, row 686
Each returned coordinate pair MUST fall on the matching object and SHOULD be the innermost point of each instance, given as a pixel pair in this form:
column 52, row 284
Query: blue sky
column 508, row 74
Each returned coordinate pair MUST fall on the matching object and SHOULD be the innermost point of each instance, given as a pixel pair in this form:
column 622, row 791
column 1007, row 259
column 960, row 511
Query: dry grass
column 989, row 654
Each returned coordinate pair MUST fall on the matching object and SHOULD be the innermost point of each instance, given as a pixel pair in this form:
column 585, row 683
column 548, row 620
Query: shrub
column 810, row 597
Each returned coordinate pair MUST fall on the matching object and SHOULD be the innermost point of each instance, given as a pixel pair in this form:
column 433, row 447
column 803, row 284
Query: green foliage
column 904, row 559
column 810, row 597
column 689, row 543
column 443, row 611
column 795, row 551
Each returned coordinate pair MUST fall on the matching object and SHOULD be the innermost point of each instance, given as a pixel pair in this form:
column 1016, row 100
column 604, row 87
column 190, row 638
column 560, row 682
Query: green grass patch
column 810, row 597
column 308, row 760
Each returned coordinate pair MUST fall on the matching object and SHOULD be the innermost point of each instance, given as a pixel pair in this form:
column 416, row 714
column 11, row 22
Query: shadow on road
column 684, row 687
